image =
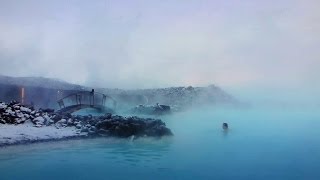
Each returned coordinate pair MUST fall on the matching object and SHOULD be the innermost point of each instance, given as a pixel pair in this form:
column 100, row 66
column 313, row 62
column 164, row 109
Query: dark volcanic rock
column 56, row 118
column 106, row 125
column 13, row 113
column 125, row 127
column 48, row 110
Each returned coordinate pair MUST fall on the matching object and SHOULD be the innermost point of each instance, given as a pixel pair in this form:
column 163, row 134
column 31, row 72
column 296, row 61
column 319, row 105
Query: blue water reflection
column 260, row 144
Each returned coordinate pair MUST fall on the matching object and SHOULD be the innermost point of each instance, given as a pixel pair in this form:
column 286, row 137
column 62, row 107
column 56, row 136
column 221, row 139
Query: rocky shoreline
column 22, row 124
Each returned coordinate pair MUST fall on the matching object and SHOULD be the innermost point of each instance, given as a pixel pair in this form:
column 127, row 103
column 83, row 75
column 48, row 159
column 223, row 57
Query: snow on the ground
column 15, row 134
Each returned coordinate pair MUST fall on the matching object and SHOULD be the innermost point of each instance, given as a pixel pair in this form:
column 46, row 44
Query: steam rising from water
column 139, row 44
column 260, row 144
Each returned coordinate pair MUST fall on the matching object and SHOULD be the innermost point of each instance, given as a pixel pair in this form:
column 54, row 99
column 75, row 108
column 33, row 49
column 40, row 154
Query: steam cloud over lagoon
column 127, row 84
column 146, row 44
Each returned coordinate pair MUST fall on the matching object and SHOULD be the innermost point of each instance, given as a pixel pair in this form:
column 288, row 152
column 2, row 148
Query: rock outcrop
column 106, row 125
column 14, row 113
column 126, row 127
column 178, row 98
column 151, row 110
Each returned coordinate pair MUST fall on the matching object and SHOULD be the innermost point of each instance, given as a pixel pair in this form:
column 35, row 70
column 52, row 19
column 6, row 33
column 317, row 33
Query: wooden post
column 61, row 104
column 78, row 99
column 22, row 95
column 104, row 98
column 92, row 96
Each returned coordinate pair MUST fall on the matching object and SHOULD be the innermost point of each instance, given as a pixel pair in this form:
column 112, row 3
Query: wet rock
column 19, row 114
column 107, row 116
column 39, row 120
column 78, row 117
column 20, row 120
column 25, row 110
column 38, row 125
column 48, row 120
column 103, row 132
column 125, row 127
column 106, row 125
column 56, row 117
column 62, row 121
column 92, row 129
column 84, row 129
column 61, row 124
column 79, row 126
column 16, row 107
column 3, row 106
column 48, row 110
column 70, row 122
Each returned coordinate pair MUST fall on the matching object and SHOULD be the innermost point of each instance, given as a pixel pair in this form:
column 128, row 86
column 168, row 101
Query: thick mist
column 147, row 44
column 276, row 97
column 159, row 89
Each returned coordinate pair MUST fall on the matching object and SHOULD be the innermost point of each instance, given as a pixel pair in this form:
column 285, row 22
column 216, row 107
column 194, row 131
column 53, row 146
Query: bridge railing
column 86, row 98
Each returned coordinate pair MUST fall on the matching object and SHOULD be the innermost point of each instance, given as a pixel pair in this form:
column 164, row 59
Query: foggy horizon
column 151, row 44
column 134, row 115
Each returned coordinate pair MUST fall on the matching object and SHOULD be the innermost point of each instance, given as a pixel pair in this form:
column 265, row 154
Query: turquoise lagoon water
column 265, row 143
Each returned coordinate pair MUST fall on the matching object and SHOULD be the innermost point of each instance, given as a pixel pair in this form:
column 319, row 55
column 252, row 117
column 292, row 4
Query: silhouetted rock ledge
column 20, row 124
column 126, row 127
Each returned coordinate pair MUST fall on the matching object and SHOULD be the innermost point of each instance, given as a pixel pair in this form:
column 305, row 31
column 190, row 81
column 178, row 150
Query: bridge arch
column 86, row 99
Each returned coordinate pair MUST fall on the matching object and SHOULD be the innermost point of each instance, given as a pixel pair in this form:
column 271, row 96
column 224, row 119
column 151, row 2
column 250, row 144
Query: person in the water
column 225, row 126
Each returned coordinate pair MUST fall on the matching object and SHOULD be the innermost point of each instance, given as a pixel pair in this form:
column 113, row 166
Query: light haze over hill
column 180, row 97
column 148, row 44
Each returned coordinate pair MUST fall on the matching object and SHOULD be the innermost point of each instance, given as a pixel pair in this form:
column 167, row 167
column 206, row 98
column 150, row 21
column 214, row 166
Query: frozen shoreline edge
column 27, row 133
column 33, row 141
column 22, row 125
column 65, row 139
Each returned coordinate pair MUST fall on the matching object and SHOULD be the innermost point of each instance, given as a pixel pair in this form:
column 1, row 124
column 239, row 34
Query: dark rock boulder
column 48, row 110
column 106, row 125
column 124, row 127
column 56, row 118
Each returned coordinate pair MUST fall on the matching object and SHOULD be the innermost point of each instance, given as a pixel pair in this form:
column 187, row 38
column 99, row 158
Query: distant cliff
column 44, row 92
column 41, row 92
column 38, row 82
column 177, row 97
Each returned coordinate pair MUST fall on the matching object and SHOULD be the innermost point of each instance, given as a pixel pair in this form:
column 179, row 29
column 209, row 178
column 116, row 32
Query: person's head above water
column 225, row 126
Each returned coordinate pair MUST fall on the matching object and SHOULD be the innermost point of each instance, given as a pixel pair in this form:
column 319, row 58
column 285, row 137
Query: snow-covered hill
column 177, row 97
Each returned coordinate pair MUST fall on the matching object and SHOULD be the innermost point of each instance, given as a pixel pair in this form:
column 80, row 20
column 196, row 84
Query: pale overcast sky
column 157, row 43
